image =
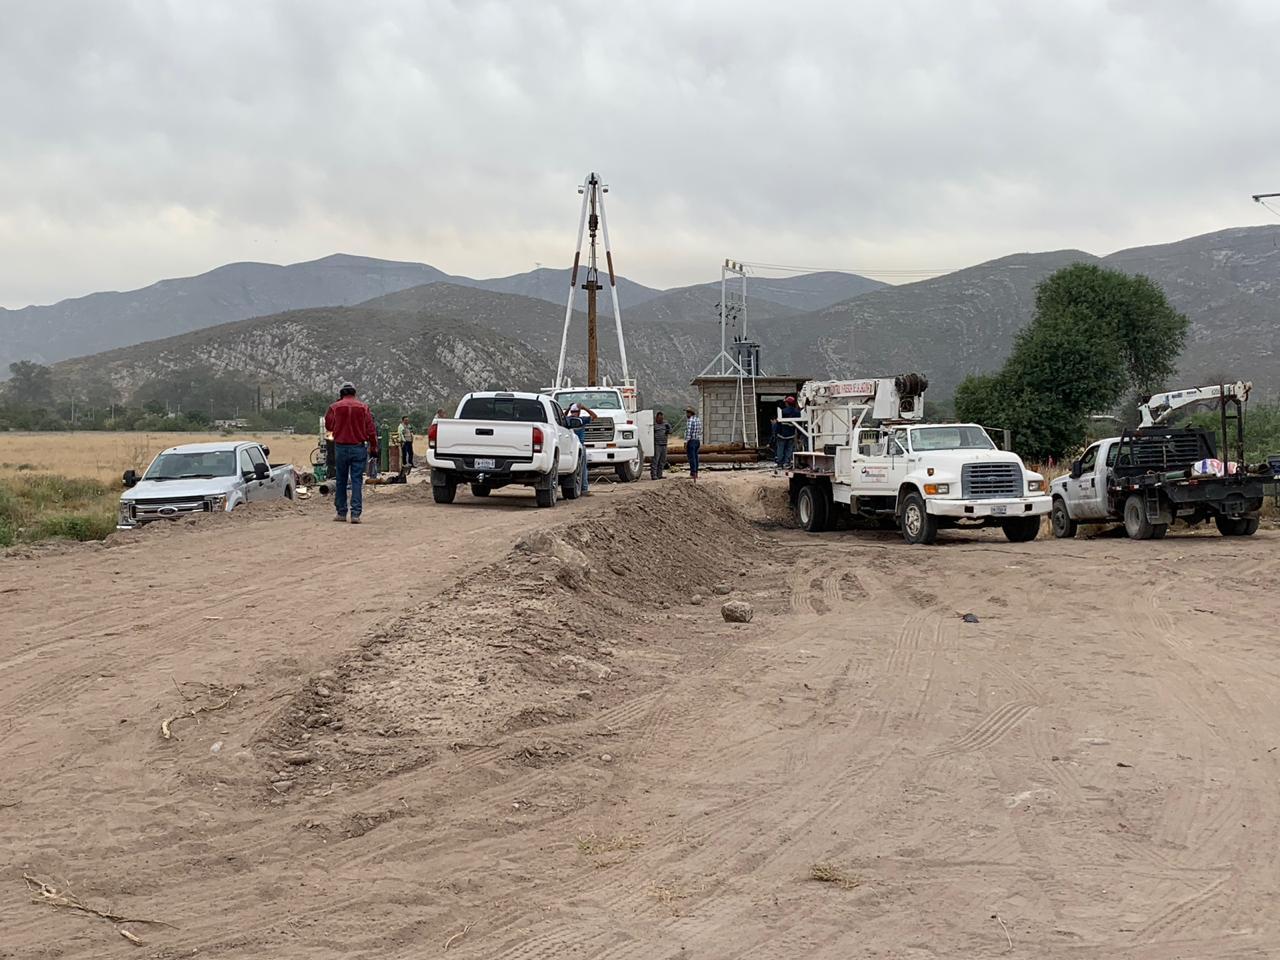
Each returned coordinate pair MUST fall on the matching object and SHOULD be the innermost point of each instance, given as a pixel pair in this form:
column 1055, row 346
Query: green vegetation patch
column 47, row 506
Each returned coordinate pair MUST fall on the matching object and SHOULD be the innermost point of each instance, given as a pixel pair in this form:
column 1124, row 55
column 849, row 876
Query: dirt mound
column 760, row 497
column 553, row 630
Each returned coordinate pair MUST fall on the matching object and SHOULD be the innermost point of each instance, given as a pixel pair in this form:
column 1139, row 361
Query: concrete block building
column 722, row 407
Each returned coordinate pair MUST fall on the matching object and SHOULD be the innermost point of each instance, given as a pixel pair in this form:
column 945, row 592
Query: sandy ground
column 497, row 732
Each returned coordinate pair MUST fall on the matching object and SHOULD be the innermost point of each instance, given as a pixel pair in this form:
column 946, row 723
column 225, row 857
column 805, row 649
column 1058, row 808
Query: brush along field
column 490, row 731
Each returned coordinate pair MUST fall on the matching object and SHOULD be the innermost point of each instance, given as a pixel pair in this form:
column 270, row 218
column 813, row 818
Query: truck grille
column 990, row 481
column 599, row 431
column 167, row 508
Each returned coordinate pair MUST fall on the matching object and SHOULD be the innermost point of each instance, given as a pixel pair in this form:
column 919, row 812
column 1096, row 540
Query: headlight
column 217, row 504
column 126, row 511
column 937, row 489
column 1035, row 486
column 628, row 434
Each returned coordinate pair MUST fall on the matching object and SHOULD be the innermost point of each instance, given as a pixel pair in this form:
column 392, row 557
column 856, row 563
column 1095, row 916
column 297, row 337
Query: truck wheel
column 628, row 472
column 571, row 486
column 1136, row 524
column 545, row 496
column 812, row 508
column 288, row 493
column 1021, row 529
column 481, row 489
column 1237, row 526
column 918, row 526
column 1064, row 528
column 445, row 492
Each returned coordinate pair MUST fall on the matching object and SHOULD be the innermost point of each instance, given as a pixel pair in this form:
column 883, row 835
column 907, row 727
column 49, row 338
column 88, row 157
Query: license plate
column 999, row 510
column 483, row 463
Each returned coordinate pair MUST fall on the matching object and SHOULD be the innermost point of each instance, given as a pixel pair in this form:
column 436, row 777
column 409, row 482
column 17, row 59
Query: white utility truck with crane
column 1159, row 474
column 621, row 436
column 864, row 451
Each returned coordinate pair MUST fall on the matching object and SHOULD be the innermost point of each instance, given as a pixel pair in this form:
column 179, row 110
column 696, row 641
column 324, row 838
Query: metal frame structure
column 592, row 219
column 733, row 310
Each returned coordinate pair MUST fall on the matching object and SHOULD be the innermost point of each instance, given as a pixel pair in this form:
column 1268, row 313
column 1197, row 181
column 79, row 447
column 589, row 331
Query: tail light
column 537, row 439
column 431, row 436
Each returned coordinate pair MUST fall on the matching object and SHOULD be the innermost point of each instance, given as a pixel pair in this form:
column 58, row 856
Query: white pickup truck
column 920, row 477
column 203, row 478
column 496, row 439
column 621, row 437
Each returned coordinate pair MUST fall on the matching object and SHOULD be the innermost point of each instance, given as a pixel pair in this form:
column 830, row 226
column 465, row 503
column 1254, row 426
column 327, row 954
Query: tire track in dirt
column 989, row 731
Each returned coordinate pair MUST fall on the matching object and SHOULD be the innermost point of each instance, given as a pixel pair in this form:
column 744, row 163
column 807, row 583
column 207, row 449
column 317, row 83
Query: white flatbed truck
column 864, row 451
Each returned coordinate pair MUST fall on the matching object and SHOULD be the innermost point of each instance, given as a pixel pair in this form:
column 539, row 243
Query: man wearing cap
column 692, row 440
column 787, row 433
column 586, row 415
column 355, row 438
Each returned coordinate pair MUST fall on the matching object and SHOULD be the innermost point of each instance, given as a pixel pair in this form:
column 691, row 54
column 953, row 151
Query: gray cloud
column 146, row 139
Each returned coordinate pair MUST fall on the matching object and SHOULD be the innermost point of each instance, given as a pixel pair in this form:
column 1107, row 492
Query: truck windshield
column 522, row 409
column 191, row 466
column 594, row 399
column 950, row 438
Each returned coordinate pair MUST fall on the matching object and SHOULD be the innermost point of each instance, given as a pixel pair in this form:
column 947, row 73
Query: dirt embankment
column 545, row 635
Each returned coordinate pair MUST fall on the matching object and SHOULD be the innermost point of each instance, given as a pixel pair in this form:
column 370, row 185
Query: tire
column 1237, row 526
column 288, row 493
column 481, row 489
column 1136, row 524
column 812, row 508
column 444, row 493
column 571, row 486
column 918, row 526
column 630, row 471
column 1021, row 529
column 1064, row 528
column 545, row 496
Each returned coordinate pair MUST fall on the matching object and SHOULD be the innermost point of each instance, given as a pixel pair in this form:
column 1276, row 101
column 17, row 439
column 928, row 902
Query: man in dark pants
column 355, row 438
column 404, row 435
column 661, row 434
column 692, row 440
column 787, row 433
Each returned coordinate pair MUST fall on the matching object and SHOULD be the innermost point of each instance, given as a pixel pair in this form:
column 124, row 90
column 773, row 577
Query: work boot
column 355, row 519
column 340, row 517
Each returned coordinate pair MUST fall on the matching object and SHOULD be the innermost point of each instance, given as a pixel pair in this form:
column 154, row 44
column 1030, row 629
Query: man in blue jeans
column 586, row 415
column 692, row 440
column 355, row 437
column 787, row 433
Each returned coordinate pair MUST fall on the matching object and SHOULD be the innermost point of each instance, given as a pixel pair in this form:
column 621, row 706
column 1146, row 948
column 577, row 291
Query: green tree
column 1096, row 334
column 31, row 384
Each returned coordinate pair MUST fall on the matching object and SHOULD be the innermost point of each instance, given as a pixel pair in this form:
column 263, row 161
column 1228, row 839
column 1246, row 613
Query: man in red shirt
column 355, row 438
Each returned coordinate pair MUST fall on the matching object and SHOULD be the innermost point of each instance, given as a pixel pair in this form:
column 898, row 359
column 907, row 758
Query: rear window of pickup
column 519, row 409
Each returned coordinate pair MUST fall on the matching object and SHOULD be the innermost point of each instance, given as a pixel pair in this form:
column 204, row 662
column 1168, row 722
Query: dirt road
column 552, row 751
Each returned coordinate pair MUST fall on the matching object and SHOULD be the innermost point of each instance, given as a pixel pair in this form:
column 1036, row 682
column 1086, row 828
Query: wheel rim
column 1132, row 521
column 913, row 520
column 1059, row 518
column 805, row 507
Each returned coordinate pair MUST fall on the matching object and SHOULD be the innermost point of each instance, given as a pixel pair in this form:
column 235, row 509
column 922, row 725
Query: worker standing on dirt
column 585, row 415
column 355, row 439
column 404, row 436
column 787, row 433
column 661, row 433
column 692, row 440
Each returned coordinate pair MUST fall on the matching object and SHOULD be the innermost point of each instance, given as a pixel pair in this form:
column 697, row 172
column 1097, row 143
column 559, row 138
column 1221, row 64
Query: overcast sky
column 148, row 140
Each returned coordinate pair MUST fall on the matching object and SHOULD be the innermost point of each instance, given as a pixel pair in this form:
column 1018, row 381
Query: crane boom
column 1161, row 408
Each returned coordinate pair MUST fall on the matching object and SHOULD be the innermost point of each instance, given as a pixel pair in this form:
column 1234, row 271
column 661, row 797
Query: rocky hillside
column 443, row 336
column 238, row 291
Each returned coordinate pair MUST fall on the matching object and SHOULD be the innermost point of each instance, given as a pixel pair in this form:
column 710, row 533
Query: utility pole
column 593, row 219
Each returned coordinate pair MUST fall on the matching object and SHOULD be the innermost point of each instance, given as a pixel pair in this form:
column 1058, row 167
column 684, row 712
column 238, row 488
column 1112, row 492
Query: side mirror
column 261, row 471
column 1075, row 470
column 130, row 478
column 573, row 423
column 266, row 451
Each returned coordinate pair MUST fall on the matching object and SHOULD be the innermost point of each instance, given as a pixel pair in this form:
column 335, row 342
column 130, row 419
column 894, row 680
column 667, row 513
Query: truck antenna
column 592, row 219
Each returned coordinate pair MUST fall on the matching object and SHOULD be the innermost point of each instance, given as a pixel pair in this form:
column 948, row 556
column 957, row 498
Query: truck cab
column 622, row 437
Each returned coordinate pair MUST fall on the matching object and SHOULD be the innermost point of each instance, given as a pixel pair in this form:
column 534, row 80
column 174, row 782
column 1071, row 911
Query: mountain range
column 422, row 336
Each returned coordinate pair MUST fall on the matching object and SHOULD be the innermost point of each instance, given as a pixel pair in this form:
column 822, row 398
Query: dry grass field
column 68, row 484
column 104, row 455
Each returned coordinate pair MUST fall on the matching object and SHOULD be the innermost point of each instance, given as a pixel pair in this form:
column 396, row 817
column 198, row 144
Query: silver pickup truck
column 203, row 478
